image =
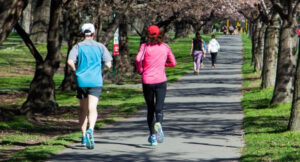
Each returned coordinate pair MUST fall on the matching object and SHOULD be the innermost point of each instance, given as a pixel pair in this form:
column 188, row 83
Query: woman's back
column 197, row 44
column 155, row 58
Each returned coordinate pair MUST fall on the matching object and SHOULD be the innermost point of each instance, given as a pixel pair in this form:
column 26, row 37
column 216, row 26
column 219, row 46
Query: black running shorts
column 83, row 92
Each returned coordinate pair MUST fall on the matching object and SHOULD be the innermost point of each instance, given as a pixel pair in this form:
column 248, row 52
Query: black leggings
column 213, row 58
column 155, row 97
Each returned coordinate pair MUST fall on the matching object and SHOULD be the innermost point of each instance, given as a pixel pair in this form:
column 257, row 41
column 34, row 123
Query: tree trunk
column 99, row 23
column 124, row 67
column 255, row 41
column 286, row 64
column 41, row 97
column 260, row 48
column 271, row 51
column 26, row 17
column 69, row 82
column 10, row 13
column 115, row 24
column 40, row 22
column 182, row 29
column 111, row 30
column 294, row 123
column 256, row 28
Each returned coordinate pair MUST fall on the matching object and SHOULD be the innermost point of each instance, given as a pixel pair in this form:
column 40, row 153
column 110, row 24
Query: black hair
column 198, row 36
column 87, row 33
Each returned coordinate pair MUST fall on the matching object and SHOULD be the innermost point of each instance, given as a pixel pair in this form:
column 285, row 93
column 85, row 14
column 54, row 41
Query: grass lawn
column 265, row 126
column 24, row 139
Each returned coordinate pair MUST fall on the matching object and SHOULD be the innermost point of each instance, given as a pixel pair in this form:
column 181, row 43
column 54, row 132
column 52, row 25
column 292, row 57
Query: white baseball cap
column 88, row 29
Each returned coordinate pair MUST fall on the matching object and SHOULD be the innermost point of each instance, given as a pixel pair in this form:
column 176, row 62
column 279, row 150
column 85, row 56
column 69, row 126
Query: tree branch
column 136, row 30
column 29, row 44
column 278, row 8
column 267, row 11
column 296, row 9
column 114, row 25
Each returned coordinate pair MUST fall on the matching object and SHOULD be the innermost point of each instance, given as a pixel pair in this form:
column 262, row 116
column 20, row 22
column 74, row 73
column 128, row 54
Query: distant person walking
column 231, row 29
column 224, row 29
column 197, row 50
column 85, row 59
column 151, row 60
column 205, row 50
column 213, row 49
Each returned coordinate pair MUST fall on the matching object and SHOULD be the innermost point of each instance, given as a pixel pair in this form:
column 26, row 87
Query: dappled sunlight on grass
column 265, row 125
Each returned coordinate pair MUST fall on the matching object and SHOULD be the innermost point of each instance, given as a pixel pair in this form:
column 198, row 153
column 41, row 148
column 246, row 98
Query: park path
column 202, row 119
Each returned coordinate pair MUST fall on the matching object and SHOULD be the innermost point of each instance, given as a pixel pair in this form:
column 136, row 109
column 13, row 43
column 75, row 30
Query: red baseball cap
column 153, row 30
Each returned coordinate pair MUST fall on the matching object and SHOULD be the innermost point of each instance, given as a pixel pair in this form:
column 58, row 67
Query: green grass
column 125, row 100
column 23, row 82
column 265, row 126
column 44, row 150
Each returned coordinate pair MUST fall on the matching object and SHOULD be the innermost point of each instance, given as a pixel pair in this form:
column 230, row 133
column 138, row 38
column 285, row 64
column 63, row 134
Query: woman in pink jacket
column 151, row 60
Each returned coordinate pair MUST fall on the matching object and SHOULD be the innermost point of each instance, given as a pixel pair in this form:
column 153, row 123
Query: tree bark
column 26, row 17
column 40, row 22
column 41, row 96
column 69, row 82
column 286, row 64
column 258, row 62
column 10, row 12
column 255, row 41
column 99, row 24
column 123, row 62
column 256, row 28
column 294, row 122
column 182, row 29
column 271, row 51
column 111, row 30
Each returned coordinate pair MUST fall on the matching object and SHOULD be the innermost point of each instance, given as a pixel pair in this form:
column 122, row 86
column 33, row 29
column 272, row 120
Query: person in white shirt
column 213, row 49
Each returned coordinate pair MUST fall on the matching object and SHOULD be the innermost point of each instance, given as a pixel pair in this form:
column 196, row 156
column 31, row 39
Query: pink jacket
column 155, row 57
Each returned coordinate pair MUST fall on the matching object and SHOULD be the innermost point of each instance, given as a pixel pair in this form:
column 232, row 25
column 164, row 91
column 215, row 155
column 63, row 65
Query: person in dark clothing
column 197, row 50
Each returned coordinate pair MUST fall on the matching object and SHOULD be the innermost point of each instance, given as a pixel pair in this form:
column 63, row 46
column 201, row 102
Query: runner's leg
column 83, row 112
column 93, row 113
column 160, row 93
column 148, row 91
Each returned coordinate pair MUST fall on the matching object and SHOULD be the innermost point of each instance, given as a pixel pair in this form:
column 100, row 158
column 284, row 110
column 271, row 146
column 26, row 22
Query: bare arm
column 108, row 64
column 71, row 65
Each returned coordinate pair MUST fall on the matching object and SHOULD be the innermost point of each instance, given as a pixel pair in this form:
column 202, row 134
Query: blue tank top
column 89, row 66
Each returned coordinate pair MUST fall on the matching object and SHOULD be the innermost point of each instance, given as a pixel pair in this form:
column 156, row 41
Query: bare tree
column 41, row 95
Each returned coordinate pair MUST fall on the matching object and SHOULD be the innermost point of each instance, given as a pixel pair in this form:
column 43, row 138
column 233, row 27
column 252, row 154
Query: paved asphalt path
column 202, row 119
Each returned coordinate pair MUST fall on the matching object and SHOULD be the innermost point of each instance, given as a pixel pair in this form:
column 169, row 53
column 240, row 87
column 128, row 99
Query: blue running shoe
column 152, row 140
column 83, row 140
column 159, row 132
column 90, row 139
